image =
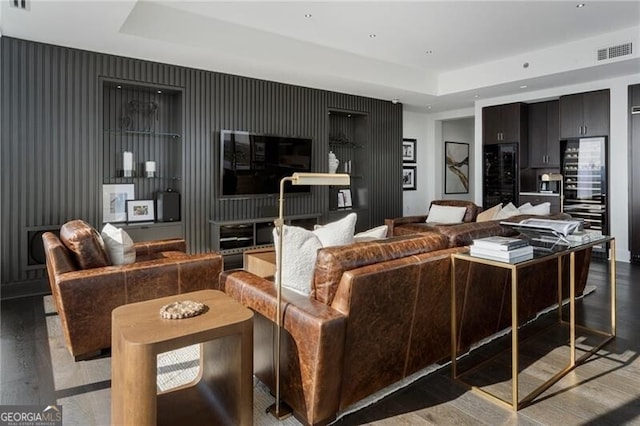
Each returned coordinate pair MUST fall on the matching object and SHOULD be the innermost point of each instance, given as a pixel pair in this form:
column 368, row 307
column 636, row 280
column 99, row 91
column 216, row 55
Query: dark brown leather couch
column 86, row 288
column 408, row 225
column 379, row 311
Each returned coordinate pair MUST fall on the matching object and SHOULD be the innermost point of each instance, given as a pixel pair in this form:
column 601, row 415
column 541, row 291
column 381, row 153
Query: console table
column 516, row 403
column 223, row 392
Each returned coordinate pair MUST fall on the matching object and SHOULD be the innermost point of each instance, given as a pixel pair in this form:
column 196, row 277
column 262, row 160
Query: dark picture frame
column 409, row 178
column 456, row 168
column 140, row 211
column 409, row 150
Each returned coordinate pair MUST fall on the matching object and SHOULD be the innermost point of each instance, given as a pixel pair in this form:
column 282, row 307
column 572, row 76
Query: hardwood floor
column 603, row 391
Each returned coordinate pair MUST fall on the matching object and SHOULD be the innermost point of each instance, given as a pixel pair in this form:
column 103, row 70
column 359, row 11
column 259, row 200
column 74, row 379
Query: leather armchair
column 408, row 225
column 85, row 296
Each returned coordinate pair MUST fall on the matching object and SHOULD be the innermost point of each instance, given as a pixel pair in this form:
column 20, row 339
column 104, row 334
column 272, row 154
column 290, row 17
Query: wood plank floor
column 603, row 391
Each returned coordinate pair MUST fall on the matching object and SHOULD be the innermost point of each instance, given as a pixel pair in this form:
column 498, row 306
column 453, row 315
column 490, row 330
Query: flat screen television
column 254, row 164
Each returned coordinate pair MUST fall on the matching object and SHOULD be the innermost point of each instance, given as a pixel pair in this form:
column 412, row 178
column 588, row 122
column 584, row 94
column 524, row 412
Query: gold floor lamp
column 556, row 177
column 318, row 179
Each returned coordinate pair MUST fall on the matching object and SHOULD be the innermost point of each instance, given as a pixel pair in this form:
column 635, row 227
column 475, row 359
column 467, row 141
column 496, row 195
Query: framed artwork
column 140, row 211
column 409, row 178
column 346, row 198
column 409, row 150
column 114, row 201
column 456, row 168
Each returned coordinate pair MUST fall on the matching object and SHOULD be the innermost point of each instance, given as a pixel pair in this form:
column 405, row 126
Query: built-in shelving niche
column 147, row 121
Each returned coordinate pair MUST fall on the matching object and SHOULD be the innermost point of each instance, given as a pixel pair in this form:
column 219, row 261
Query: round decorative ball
column 182, row 309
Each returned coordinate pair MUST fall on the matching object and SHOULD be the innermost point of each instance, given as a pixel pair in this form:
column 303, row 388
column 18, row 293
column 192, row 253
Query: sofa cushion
column 332, row 262
column 119, row 245
column 507, row 211
column 300, row 247
column 539, row 209
column 489, row 214
column 445, row 214
column 465, row 233
column 85, row 243
column 371, row 234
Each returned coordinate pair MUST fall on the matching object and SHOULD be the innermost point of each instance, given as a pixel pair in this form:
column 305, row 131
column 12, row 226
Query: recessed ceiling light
column 372, row 36
column 308, row 15
column 429, row 52
column 428, row 106
column 118, row 87
column 524, row 86
column 580, row 5
column 159, row 91
column 476, row 96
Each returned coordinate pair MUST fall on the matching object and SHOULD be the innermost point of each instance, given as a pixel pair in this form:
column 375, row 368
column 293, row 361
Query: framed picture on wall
column 114, row 201
column 140, row 211
column 409, row 150
column 456, row 168
column 409, row 178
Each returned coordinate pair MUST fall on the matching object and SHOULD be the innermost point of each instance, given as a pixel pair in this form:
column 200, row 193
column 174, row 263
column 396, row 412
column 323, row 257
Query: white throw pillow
column 539, row 209
column 300, row 249
column 337, row 233
column 445, row 214
column 525, row 206
column 507, row 211
column 119, row 245
column 489, row 214
column 372, row 234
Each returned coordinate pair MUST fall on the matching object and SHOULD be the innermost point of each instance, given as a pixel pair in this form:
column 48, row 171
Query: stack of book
column 502, row 249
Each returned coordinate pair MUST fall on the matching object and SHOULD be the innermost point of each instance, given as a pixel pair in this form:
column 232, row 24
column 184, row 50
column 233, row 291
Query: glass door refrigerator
column 500, row 182
column 584, row 169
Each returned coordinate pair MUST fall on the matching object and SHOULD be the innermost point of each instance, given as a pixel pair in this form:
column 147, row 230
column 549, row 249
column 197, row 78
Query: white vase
column 333, row 162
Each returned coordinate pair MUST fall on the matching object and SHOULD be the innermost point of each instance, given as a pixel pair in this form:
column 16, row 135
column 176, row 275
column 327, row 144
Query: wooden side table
column 261, row 262
column 223, row 392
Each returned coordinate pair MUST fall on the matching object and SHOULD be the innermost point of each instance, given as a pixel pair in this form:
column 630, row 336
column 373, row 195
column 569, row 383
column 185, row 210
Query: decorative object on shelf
column 456, row 175
column 555, row 177
column 140, row 211
column 409, row 178
column 168, row 206
column 347, row 167
column 333, row 162
column 409, row 150
column 127, row 164
column 139, row 115
column 278, row 410
column 182, row 309
column 150, row 169
column 345, row 195
column 114, row 201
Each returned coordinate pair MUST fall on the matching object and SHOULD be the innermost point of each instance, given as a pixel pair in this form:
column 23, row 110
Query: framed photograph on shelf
column 346, row 198
column 409, row 150
column 409, row 178
column 114, row 201
column 140, row 211
column 456, row 168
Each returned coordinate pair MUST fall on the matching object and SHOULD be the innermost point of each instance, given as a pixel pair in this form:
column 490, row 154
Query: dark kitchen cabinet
column 584, row 114
column 544, row 135
column 507, row 124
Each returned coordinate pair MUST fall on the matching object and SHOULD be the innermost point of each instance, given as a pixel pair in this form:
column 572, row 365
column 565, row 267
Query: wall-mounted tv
column 253, row 164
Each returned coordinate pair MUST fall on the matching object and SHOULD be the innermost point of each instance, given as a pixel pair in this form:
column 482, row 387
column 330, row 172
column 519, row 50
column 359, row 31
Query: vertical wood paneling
column 53, row 150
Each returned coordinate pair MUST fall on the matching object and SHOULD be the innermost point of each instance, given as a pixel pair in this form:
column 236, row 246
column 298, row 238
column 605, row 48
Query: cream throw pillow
column 119, row 245
column 300, row 249
column 507, row 211
column 489, row 214
column 372, row 234
column 538, row 209
column 445, row 214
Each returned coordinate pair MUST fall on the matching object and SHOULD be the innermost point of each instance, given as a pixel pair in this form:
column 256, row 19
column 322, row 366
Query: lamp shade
column 320, row 179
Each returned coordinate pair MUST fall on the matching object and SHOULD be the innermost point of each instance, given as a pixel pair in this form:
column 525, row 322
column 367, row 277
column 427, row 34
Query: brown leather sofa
column 86, row 288
column 379, row 311
column 408, row 225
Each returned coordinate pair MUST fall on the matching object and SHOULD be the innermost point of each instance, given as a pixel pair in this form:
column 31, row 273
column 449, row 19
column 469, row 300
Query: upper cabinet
column 584, row 114
column 544, row 136
column 504, row 124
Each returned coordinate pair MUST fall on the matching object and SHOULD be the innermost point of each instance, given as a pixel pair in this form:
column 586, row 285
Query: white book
column 501, row 254
column 516, row 259
column 500, row 243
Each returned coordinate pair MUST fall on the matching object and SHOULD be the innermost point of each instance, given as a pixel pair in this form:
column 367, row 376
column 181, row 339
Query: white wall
column 431, row 150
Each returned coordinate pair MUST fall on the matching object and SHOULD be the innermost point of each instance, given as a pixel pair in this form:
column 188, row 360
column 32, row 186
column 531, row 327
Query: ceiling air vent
column 20, row 4
column 611, row 52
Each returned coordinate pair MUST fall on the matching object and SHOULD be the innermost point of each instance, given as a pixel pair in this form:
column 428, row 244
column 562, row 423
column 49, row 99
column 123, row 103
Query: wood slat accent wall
column 52, row 147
